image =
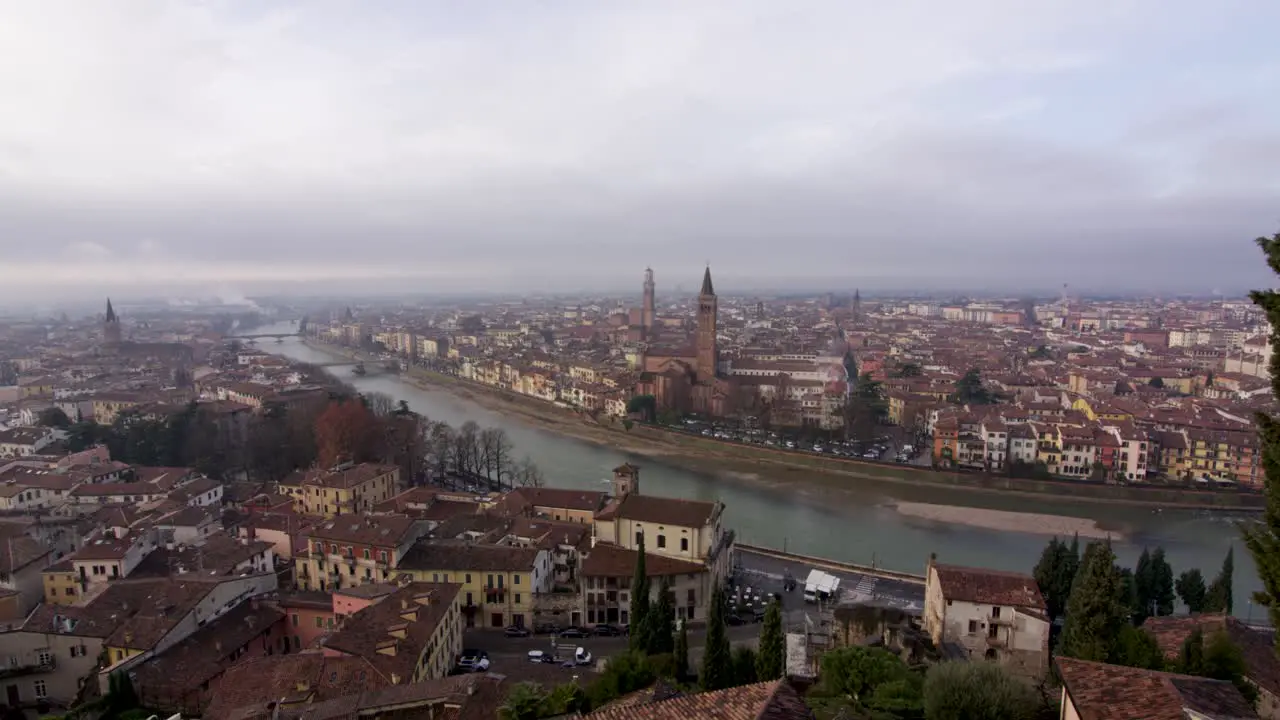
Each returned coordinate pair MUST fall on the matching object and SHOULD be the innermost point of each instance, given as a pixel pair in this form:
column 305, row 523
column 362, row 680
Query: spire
column 706, row 283
column 111, row 313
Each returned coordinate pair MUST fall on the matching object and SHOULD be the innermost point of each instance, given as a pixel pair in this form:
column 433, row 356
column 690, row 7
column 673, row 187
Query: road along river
column 857, row 523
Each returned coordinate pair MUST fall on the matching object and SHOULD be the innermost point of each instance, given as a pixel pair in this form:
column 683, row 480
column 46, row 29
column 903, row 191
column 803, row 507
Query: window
column 684, row 544
column 517, row 598
column 995, row 612
column 44, row 657
column 639, row 537
column 69, row 591
column 662, row 541
column 973, row 626
column 367, row 554
column 42, row 691
column 295, row 619
column 319, row 621
column 515, row 580
column 468, row 577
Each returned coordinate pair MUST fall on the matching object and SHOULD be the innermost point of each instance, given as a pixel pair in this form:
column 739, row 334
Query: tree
column 526, row 701
column 639, row 615
column 717, row 670
column 1138, row 648
column 1096, row 610
column 1156, row 382
column 623, row 674
column 662, row 620
column 906, row 370
column 496, row 449
column 526, row 474
column 857, row 670
column 1142, row 585
column 1191, row 589
column 1191, row 654
column 1054, row 574
column 1218, row 658
column 1219, row 597
column 1161, row 583
column 467, row 448
column 744, row 666
column 53, row 417
column 682, row 652
column 346, row 431
column 646, row 406
column 971, row 391
column 976, row 691
column 380, row 404
column 771, row 662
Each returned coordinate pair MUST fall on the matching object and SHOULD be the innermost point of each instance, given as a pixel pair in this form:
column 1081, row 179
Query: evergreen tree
column 1191, row 654
column 682, row 652
column 1143, row 586
column 1219, row 597
column 744, row 666
column 1096, row 613
column 771, row 661
column 1054, row 574
column 662, row 621
column 1161, row 583
column 1262, row 538
column 639, row 615
column 717, row 664
column 1138, row 648
column 1191, row 589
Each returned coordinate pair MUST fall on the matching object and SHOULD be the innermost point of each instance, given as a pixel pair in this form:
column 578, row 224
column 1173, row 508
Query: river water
column 857, row 524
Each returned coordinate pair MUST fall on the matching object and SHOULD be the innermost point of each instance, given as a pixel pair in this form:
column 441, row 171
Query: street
column 762, row 574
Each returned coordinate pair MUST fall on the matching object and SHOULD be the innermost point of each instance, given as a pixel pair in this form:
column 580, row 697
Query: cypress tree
column 682, row 652
column 771, row 661
column 1219, row 597
column 1143, row 586
column 662, row 621
column 717, row 662
column 639, row 615
column 1096, row 612
column 1262, row 537
column 1162, row 583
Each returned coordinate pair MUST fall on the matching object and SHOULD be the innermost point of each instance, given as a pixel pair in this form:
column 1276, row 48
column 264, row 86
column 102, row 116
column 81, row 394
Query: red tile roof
column 1111, row 692
column 775, row 700
column 989, row 587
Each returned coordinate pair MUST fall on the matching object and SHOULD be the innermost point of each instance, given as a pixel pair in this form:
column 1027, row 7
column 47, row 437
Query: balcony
column 996, row 641
column 1001, row 621
column 30, row 668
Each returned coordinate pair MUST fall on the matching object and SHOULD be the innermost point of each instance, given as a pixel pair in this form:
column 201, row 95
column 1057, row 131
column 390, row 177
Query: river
column 858, row 524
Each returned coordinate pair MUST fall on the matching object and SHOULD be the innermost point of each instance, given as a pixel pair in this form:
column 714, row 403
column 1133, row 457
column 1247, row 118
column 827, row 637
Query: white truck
column 820, row 585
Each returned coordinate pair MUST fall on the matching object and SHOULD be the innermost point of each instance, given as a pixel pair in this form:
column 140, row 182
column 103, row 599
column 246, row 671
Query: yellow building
column 107, row 406
column 61, row 583
column 343, row 490
column 498, row 581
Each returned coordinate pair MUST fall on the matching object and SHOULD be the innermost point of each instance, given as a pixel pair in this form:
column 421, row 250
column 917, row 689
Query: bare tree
column 442, row 446
column 496, row 447
column 467, row 447
column 527, row 474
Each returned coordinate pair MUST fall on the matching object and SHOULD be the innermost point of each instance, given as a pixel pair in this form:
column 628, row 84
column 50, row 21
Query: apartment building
column 343, row 490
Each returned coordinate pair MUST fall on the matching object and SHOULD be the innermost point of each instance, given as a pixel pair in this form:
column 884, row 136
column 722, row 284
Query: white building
column 990, row 614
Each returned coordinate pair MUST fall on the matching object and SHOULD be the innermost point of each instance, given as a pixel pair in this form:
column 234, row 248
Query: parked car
column 574, row 632
column 516, row 631
column 734, row 620
column 547, row 628
column 474, row 660
column 608, row 630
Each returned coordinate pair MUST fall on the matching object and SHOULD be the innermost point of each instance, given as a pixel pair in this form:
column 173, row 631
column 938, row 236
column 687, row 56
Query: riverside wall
column 828, row 564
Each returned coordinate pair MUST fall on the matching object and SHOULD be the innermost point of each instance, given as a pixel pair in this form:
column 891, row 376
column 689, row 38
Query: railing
column 40, row 666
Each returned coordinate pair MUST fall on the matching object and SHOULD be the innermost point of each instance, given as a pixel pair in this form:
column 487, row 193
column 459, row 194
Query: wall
column 62, row 681
column 305, row 626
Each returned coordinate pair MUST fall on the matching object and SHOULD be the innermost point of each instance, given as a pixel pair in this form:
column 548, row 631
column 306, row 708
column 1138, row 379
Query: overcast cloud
column 1111, row 144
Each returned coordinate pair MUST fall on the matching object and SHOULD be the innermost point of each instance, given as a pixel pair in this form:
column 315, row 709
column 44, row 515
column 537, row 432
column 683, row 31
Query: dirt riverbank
column 1004, row 521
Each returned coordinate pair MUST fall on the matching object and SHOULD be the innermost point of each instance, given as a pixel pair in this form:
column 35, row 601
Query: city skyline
column 251, row 148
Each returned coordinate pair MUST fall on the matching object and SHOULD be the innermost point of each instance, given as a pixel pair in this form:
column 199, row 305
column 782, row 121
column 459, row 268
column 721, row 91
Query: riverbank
column 1004, row 521
column 805, row 473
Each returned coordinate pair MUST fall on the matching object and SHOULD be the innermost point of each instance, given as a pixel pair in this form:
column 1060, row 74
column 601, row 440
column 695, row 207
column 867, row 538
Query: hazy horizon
column 272, row 147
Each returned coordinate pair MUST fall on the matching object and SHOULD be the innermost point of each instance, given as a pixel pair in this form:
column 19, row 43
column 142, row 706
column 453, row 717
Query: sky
column 544, row 145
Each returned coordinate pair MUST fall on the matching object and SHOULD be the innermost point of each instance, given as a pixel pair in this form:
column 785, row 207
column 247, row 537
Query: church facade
column 685, row 377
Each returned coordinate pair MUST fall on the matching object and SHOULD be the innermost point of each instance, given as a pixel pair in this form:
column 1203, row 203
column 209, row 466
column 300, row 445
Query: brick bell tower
column 646, row 309
column 706, row 345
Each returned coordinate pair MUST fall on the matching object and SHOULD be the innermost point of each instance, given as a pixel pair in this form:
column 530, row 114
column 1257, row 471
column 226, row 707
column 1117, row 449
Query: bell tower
column 707, row 354
column 646, row 309
column 111, row 326
column 626, row 480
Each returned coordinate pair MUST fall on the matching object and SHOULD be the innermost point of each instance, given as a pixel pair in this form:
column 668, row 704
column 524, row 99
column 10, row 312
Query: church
column 114, row 345
column 684, row 378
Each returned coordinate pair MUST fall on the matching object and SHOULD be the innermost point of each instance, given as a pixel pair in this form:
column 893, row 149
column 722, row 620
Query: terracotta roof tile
column 775, row 700
column 1112, row 692
column 609, row 560
column 989, row 587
